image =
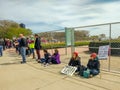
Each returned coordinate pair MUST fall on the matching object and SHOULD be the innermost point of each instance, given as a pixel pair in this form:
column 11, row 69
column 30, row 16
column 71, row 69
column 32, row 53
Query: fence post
column 66, row 42
column 72, row 41
column 109, row 63
column 51, row 42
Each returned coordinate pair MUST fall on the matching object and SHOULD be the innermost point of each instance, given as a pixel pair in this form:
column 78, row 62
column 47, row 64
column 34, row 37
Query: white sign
column 69, row 70
column 103, row 52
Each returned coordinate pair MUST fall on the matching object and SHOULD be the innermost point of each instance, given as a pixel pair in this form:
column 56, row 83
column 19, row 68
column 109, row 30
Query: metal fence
column 87, row 40
column 97, row 35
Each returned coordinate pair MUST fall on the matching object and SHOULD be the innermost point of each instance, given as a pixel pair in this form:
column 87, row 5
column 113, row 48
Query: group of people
column 5, row 44
column 27, row 45
column 33, row 43
column 93, row 65
column 50, row 59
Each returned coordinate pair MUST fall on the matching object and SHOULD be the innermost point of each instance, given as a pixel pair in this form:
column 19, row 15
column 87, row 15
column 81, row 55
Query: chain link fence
column 54, row 40
column 87, row 40
column 100, row 35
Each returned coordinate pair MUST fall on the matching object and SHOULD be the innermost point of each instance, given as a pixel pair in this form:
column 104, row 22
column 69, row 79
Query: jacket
column 47, row 56
column 56, row 57
column 94, row 64
column 76, row 62
column 1, row 42
column 23, row 42
column 37, row 44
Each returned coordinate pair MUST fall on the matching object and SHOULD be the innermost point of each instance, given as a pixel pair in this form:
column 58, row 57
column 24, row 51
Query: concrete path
column 34, row 76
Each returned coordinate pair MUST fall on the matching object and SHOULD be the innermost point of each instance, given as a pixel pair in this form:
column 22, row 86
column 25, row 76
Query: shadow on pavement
column 13, row 63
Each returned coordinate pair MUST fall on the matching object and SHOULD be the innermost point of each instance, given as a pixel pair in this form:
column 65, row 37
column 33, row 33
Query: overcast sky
column 47, row 15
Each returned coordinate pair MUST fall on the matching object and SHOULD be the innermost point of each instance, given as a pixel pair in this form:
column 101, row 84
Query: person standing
column 37, row 46
column 23, row 45
column 31, row 46
column 1, row 46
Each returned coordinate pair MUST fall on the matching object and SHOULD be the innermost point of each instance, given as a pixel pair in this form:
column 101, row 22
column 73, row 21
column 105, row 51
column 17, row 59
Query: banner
column 103, row 52
column 69, row 70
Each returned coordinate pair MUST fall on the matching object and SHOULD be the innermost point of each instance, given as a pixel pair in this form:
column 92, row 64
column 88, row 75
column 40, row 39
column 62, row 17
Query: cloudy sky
column 47, row 15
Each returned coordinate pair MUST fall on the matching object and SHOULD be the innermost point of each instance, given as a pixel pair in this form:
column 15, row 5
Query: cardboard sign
column 69, row 70
column 103, row 52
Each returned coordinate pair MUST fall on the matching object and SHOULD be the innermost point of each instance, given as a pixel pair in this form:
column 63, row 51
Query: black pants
column 53, row 61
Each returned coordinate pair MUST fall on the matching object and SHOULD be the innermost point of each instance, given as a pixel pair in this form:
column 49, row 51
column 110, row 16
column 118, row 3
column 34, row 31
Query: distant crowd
column 32, row 46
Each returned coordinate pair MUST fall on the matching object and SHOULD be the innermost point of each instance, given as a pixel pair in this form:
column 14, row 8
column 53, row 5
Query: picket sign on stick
column 103, row 55
column 69, row 70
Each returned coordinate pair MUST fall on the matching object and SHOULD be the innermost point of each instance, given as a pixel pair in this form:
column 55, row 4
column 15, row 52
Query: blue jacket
column 94, row 64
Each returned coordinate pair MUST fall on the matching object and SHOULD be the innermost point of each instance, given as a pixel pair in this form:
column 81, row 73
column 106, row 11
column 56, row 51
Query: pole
column 72, row 41
column 65, row 41
column 109, row 63
column 51, row 42
column 101, row 69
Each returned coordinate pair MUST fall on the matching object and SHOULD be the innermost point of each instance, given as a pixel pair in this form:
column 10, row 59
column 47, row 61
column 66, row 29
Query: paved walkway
column 34, row 76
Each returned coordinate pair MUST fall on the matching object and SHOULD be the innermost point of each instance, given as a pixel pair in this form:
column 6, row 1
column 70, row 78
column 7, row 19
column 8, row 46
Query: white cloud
column 57, row 14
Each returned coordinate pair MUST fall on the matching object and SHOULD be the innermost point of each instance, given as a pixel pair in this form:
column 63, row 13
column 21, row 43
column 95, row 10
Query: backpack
column 82, row 68
column 86, row 73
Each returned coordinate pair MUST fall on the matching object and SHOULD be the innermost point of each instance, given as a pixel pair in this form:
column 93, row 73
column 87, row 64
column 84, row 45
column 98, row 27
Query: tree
column 10, row 29
column 102, row 36
column 95, row 37
column 118, row 37
column 81, row 35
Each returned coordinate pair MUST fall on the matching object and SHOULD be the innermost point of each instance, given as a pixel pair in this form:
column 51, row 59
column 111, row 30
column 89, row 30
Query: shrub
column 62, row 45
column 115, row 47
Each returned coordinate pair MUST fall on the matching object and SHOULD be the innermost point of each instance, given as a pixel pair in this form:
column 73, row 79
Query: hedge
column 62, row 45
column 115, row 47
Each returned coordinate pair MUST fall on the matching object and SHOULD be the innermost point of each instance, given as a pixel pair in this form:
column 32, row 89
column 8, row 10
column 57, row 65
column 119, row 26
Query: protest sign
column 103, row 52
column 69, row 70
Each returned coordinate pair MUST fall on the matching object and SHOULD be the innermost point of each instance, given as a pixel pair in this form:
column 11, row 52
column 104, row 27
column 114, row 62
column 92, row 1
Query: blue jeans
column 23, row 53
column 1, row 50
column 94, row 72
column 32, row 50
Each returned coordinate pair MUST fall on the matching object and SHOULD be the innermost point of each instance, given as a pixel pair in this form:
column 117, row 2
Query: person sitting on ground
column 75, row 61
column 93, row 65
column 46, row 58
column 55, row 58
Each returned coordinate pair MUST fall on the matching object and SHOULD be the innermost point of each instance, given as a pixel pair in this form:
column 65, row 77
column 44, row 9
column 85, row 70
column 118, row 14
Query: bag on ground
column 86, row 73
column 82, row 69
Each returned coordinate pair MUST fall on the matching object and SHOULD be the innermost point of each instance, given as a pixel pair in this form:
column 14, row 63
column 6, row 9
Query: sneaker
column 90, row 76
column 23, row 62
column 39, row 61
column 47, row 64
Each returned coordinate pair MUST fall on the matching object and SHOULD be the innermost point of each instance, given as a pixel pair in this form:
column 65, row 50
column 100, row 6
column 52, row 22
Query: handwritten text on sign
column 103, row 52
column 69, row 70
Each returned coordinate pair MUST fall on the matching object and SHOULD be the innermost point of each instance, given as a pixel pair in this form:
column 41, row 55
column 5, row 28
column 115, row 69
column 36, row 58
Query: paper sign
column 69, row 70
column 103, row 52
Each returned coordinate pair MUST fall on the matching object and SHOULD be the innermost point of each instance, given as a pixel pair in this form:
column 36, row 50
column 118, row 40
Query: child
column 31, row 46
column 55, row 58
column 75, row 61
column 93, row 65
